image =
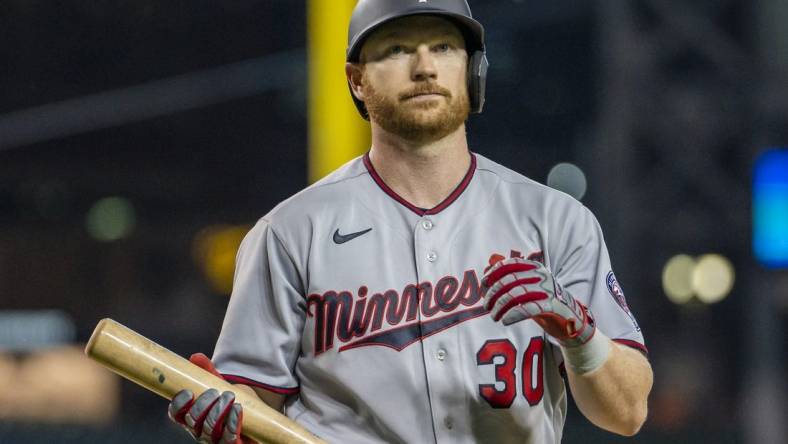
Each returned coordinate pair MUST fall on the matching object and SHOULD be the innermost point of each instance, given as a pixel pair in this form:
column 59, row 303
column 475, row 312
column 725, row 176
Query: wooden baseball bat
column 159, row 370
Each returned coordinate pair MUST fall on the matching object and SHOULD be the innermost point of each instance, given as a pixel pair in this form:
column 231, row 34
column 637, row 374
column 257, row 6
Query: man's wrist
column 587, row 357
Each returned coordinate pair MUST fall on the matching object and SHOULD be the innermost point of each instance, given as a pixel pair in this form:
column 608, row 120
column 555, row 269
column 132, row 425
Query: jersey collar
column 454, row 195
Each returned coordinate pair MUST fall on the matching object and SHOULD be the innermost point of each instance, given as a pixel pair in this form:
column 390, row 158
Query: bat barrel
column 161, row 371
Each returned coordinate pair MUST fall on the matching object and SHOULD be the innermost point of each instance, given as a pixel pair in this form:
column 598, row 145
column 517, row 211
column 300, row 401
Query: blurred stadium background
column 139, row 140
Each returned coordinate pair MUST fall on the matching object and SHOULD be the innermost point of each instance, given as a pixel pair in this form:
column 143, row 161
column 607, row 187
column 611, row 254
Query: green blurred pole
column 337, row 133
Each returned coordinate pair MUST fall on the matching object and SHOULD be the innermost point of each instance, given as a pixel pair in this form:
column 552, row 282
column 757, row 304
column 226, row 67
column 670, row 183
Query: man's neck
column 424, row 174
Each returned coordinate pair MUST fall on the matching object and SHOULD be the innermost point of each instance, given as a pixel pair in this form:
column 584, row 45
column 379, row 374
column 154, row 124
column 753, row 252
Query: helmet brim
column 472, row 30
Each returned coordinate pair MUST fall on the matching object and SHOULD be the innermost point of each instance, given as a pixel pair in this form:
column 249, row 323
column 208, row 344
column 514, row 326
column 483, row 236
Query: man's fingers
column 216, row 416
column 517, row 300
column 195, row 418
column 212, row 417
column 180, row 405
column 508, row 266
column 232, row 425
column 506, row 284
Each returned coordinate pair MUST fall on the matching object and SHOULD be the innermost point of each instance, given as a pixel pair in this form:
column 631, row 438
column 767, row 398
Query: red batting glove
column 211, row 417
column 518, row 289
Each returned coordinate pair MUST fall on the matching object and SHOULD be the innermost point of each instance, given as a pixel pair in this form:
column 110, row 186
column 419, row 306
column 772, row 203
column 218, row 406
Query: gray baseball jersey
column 370, row 309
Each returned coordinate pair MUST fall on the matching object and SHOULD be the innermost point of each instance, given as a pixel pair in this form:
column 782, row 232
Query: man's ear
column 355, row 74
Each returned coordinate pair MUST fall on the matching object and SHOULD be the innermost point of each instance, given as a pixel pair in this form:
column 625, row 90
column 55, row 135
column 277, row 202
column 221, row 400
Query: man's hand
column 519, row 289
column 212, row 417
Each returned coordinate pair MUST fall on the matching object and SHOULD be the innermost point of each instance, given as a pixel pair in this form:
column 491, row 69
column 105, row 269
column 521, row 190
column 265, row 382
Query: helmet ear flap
column 477, row 80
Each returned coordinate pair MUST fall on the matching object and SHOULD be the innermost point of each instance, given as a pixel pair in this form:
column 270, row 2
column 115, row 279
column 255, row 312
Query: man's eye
column 443, row 47
column 396, row 50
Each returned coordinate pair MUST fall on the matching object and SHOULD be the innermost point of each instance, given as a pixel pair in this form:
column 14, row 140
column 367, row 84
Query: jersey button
column 441, row 354
column 448, row 422
column 427, row 224
column 432, row 256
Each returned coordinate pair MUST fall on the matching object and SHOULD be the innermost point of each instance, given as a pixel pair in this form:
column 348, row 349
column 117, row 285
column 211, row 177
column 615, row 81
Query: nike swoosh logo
column 342, row 238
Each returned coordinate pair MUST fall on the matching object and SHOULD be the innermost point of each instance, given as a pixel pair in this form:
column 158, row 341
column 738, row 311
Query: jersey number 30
column 532, row 373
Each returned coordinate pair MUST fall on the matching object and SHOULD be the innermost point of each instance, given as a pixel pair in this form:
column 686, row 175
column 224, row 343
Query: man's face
column 413, row 78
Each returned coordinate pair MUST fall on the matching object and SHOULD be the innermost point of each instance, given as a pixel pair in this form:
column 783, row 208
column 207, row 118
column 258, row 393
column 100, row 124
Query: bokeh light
column 770, row 209
column 215, row 249
column 712, row 278
column 110, row 219
column 569, row 178
column 677, row 278
column 26, row 330
column 57, row 385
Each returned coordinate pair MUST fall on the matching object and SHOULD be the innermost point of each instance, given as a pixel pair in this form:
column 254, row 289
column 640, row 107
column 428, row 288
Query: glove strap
column 584, row 322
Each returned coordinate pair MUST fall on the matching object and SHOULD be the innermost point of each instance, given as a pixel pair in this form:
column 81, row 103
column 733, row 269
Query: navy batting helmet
column 368, row 15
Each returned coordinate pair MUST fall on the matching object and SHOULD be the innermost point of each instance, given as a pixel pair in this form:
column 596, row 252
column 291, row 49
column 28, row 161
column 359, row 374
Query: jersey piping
column 235, row 379
column 453, row 196
column 633, row 344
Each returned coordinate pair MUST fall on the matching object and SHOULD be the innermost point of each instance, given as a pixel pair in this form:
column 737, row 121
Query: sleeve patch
column 618, row 295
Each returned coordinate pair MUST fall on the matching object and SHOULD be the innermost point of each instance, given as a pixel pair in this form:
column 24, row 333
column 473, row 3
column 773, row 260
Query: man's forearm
column 615, row 396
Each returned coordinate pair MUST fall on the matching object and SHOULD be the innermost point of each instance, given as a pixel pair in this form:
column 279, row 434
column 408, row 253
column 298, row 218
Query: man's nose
column 424, row 64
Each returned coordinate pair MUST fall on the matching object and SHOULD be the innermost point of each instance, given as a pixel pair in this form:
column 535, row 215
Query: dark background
column 664, row 105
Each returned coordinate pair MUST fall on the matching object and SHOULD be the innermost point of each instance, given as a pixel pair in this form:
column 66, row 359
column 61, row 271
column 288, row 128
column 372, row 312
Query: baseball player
column 423, row 293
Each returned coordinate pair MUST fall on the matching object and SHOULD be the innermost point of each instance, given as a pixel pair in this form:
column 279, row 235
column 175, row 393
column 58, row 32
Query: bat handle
column 152, row 366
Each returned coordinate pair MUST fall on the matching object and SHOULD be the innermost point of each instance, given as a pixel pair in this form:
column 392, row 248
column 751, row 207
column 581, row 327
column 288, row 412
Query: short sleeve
column 582, row 267
column 261, row 334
